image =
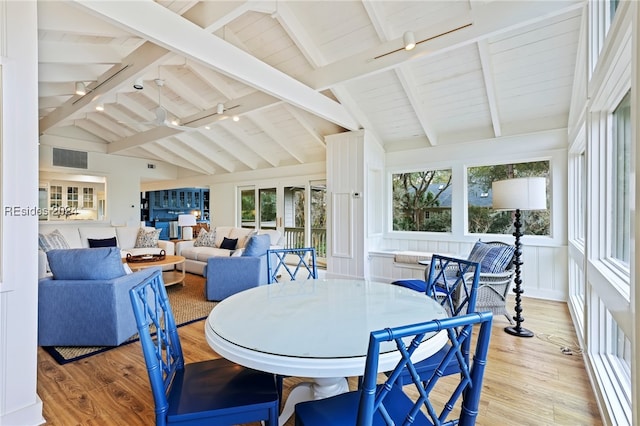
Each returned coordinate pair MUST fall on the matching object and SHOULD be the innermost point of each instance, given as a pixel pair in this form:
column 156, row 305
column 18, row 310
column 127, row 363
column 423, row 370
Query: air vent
column 69, row 158
column 151, row 166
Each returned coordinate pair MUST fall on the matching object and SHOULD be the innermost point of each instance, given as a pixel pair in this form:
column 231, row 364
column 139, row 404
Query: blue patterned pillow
column 492, row 259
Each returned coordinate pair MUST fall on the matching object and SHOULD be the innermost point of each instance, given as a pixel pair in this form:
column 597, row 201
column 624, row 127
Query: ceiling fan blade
column 169, row 124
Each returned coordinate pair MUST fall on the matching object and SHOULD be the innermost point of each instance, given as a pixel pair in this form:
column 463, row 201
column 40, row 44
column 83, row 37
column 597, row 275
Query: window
column 422, row 201
column 72, row 196
column 55, row 196
column 620, row 180
column 482, row 219
column 268, row 208
column 247, row 207
column 87, row 198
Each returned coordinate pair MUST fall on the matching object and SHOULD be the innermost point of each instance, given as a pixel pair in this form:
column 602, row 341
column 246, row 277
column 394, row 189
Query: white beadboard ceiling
column 297, row 71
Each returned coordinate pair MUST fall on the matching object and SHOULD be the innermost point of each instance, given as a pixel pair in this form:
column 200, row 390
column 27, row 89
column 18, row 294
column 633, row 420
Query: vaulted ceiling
column 294, row 72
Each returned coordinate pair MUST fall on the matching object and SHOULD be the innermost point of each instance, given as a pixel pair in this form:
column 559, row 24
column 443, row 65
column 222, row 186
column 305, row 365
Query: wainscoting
column 544, row 269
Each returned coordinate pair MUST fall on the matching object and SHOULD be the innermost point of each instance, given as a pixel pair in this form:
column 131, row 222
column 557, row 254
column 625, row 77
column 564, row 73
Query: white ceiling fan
column 162, row 115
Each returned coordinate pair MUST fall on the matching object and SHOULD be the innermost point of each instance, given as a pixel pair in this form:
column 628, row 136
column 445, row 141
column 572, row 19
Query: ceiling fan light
column 81, row 90
column 409, row 40
column 236, row 118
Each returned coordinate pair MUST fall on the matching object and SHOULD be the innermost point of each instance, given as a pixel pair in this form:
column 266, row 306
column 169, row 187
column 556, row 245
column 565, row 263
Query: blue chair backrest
column 300, row 260
column 389, row 402
column 454, row 283
column 158, row 337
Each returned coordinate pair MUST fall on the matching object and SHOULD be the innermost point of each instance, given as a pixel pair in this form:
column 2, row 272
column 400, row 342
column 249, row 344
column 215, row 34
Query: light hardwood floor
column 528, row 381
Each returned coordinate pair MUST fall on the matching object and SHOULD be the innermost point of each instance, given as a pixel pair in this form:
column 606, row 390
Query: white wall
column 544, row 271
column 19, row 402
column 355, row 169
column 124, row 177
column 359, row 165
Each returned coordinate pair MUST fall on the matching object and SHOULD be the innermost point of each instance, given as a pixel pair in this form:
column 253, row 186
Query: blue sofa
column 86, row 302
column 228, row 275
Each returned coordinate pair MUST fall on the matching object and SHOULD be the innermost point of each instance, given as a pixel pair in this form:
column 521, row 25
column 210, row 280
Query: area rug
column 187, row 302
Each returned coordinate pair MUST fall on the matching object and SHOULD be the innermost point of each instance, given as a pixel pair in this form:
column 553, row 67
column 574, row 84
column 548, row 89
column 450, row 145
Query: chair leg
column 279, row 386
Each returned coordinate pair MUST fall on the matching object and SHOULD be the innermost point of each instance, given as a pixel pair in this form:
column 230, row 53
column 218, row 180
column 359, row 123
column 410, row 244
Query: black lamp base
column 518, row 331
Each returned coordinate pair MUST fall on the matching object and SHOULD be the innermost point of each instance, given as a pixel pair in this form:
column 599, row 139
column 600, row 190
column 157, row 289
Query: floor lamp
column 519, row 194
column 186, row 221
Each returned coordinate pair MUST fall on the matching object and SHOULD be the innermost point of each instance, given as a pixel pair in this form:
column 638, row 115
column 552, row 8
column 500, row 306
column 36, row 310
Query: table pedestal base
column 308, row 391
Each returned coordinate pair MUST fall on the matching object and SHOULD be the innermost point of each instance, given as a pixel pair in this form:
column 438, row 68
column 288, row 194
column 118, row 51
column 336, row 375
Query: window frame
column 391, row 173
column 549, row 198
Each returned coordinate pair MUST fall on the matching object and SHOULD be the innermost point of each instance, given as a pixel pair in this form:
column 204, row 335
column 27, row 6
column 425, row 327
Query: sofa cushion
column 492, row 259
column 203, row 253
column 273, row 234
column 229, row 243
column 242, row 235
column 51, row 241
column 96, row 233
column 68, row 231
column 147, row 238
column 127, row 236
column 86, row 264
column 104, row 242
column 221, row 232
column 257, row 245
column 205, row 239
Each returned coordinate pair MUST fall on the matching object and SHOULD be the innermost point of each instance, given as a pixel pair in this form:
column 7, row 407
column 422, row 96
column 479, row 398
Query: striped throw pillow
column 53, row 240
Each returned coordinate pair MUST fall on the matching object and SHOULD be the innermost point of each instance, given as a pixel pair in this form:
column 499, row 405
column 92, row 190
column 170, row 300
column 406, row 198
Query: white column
column 19, row 402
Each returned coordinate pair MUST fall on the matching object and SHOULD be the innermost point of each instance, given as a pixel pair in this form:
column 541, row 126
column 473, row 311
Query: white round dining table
column 317, row 329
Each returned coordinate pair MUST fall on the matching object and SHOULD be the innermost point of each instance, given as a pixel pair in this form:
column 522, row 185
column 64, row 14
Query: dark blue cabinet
column 164, row 206
column 164, row 229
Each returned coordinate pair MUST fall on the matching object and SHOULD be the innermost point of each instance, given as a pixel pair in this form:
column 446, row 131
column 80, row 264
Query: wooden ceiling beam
column 150, row 21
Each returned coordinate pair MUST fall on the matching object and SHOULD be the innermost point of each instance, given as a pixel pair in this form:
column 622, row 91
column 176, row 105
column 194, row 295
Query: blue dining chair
column 290, row 262
column 388, row 404
column 216, row 391
column 285, row 264
column 454, row 284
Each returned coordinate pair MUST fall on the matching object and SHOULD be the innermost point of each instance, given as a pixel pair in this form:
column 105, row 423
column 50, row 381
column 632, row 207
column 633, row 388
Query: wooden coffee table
column 169, row 277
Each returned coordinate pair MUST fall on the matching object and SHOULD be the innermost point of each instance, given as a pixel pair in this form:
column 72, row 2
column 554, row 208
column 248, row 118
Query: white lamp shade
column 186, row 220
column 520, row 194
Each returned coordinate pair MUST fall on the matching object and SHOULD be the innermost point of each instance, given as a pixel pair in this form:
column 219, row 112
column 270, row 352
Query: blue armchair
column 86, row 301
column 226, row 276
